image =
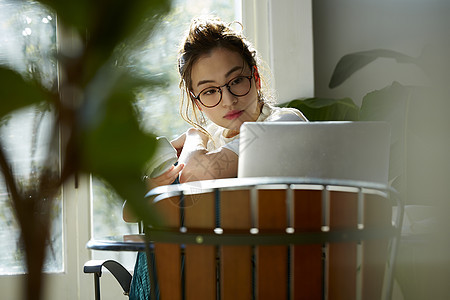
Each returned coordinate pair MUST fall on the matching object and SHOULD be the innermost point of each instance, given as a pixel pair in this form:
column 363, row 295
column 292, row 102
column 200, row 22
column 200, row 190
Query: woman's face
column 216, row 69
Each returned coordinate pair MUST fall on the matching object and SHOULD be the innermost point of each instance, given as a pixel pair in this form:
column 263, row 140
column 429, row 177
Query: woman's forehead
column 217, row 65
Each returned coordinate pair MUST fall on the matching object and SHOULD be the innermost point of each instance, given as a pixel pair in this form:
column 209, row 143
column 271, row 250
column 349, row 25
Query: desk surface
column 129, row 242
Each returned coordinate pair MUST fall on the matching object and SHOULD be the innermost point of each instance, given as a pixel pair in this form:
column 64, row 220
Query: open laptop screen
column 328, row 150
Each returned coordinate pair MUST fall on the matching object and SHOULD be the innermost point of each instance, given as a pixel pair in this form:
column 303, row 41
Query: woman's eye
column 237, row 80
column 209, row 92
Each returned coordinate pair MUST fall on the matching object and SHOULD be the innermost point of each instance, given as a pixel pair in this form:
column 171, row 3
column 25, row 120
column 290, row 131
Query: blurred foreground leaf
column 113, row 145
column 102, row 25
column 16, row 92
column 108, row 21
column 94, row 114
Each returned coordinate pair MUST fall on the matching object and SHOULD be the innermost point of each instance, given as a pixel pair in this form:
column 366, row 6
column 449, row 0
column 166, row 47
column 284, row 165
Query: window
column 158, row 108
column 27, row 42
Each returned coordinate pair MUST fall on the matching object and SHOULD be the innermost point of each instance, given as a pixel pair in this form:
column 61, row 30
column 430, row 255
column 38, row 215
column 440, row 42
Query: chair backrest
column 289, row 239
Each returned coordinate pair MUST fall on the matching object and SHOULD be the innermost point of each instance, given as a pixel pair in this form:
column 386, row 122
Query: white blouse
column 268, row 114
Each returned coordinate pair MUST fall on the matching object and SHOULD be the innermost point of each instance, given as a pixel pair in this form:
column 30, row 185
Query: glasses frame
column 227, row 85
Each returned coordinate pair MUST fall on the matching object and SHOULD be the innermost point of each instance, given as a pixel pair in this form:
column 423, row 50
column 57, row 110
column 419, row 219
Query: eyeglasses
column 211, row 96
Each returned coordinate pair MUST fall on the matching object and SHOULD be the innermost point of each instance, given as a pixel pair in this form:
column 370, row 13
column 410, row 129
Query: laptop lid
column 328, row 150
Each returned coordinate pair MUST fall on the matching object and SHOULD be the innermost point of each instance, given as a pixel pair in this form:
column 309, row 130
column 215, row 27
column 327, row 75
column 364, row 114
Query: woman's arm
column 199, row 164
column 194, row 163
column 178, row 143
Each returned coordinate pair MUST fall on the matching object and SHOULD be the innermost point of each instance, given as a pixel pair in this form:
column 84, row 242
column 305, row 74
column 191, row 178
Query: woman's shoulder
column 275, row 113
column 217, row 138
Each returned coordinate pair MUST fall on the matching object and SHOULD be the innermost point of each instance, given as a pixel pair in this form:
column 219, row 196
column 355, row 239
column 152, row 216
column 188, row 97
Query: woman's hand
column 178, row 143
column 201, row 164
column 164, row 179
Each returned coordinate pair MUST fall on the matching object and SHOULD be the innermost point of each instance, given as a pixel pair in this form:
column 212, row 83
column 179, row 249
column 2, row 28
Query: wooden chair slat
column 200, row 260
column 236, row 261
column 168, row 261
column 342, row 259
column 168, row 267
column 236, row 272
column 272, row 210
column 200, row 272
column 307, row 272
column 271, row 282
column 235, row 210
column 271, row 271
column 199, row 212
column 307, row 266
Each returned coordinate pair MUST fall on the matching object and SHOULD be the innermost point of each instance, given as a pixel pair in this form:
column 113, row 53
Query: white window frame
column 282, row 32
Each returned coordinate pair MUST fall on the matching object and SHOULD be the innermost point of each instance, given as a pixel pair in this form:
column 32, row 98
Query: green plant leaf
column 16, row 92
column 112, row 144
column 129, row 22
column 352, row 62
column 107, row 20
column 102, row 25
column 71, row 13
column 323, row 109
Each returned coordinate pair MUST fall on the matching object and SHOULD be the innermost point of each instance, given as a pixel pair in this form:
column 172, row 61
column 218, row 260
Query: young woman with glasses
column 221, row 83
column 221, row 89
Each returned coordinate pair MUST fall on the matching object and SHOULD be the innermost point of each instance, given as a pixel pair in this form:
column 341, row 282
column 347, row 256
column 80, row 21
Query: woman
column 221, row 82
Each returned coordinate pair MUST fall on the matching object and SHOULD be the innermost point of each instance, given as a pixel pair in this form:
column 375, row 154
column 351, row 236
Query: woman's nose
column 228, row 98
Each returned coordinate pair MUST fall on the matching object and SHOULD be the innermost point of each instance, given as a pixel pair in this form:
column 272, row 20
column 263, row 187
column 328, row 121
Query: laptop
column 327, row 150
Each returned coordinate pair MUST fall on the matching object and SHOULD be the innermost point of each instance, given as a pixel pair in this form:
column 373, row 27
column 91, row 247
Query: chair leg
column 97, row 286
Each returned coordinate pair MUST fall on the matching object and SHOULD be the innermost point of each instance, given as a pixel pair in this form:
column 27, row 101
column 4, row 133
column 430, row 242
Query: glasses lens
column 210, row 96
column 240, row 86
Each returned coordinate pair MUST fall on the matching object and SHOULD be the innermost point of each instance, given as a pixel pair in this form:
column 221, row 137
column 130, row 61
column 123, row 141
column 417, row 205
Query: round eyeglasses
column 211, row 96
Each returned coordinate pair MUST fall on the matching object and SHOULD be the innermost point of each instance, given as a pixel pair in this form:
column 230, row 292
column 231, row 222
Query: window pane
column 24, row 137
column 27, row 42
column 158, row 108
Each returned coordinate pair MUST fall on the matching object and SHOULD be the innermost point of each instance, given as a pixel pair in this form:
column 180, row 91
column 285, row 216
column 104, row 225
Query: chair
column 118, row 271
column 275, row 238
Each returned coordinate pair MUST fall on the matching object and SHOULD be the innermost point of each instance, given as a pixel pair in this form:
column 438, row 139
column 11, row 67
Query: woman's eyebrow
column 231, row 71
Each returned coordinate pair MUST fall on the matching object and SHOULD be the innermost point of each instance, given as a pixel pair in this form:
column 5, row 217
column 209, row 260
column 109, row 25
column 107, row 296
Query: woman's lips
column 234, row 114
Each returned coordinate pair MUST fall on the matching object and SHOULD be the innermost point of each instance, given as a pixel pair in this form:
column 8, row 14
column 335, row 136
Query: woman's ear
column 257, row 77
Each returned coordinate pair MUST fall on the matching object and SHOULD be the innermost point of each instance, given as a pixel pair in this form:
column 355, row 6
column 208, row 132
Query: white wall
column 407, row 26
column 346, row 26
column 281, row 31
